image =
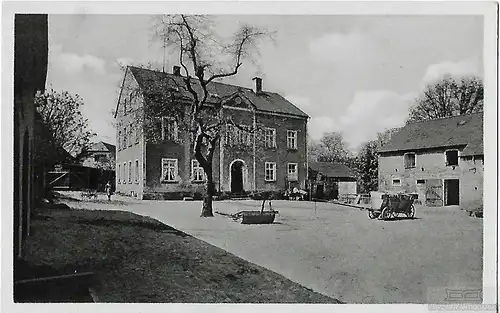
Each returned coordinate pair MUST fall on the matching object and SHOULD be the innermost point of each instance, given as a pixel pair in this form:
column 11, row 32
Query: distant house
column 160, row 164
column 331, row 180
column 441, row 160
column 100, row 155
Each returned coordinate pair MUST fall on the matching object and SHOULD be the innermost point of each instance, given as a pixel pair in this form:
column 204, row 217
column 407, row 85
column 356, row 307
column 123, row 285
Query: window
column 124, row 144
column 119, row 140
column 396, row 182
column 137, row 132
column 292, row 172
column 168, row 129
column 420, row 181
column 238, row 136
column 291, row 139
column 99, row 157
column 270, row 137
column 451, row 157
column 119, row 173
column 197, row 173
column 270, row 171
column 129, row 176
column 137, row 171
column 410, row 160
column 229, row 134
column 124, row 172
column 169, row 170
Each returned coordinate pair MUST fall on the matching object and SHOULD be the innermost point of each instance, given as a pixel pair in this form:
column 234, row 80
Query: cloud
column 302, row 102
column 73, row 63
column 455, row 69
column 339, row 47
column 125, row 61
column 371, row 112
column 321, row 124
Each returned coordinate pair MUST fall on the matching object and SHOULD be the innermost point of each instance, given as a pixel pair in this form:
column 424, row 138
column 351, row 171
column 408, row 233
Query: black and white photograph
column 250, row 153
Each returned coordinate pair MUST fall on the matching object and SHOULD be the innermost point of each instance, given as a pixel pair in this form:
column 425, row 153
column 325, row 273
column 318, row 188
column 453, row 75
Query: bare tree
column 448, row 97
column 60, row 112
column 204, row 58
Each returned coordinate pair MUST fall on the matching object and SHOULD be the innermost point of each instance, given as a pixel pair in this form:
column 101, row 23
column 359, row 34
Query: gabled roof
column 335, row 170
column 264, row 101
column 102, row 146
column 463, row 130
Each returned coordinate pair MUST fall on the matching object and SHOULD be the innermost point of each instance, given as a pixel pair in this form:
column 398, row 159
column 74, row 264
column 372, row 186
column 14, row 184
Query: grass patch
column 139, row 259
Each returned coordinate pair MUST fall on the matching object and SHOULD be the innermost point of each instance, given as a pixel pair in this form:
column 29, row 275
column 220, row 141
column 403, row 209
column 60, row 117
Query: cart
column 254, row 217
column 392, row 206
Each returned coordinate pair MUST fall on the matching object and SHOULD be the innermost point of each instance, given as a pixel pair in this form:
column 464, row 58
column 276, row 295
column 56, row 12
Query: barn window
column 169, row 170
column 197, row 172
column 396, row 182
column 410, row 160
column 137, row 171
column 420, row 181
column 451, row 157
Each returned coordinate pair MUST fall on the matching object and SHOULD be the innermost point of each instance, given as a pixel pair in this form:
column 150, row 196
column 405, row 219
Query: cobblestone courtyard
column 337, row 250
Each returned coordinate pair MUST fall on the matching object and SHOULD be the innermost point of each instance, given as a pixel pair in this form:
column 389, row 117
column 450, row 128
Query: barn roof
column 264, row 101
column 102, row 146
column 334, row 170
column 463, row 130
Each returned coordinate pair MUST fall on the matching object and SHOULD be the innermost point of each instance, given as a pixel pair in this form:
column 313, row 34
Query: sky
column 353, row 74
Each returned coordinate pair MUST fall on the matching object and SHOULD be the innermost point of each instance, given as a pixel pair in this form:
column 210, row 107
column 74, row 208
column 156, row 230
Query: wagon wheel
column 386, row 213
column 372, row 214
column 411, row 213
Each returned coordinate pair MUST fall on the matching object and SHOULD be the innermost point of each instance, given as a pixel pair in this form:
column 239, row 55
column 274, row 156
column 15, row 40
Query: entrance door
column 434, row 192
column 320, row 191
column 452, row 191
column 237, row 177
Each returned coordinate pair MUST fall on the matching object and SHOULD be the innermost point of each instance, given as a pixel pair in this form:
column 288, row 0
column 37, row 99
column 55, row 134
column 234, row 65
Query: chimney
column 177, row 70
column 258, row 85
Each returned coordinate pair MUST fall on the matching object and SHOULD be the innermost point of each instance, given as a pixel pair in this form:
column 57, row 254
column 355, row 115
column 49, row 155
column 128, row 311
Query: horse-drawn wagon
column 392, row 206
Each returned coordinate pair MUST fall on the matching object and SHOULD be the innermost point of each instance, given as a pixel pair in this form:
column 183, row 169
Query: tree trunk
column 207, row 209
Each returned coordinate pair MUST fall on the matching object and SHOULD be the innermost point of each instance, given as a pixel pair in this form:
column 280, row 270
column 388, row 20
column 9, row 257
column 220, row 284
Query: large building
column 160, row 163
column 441, row 160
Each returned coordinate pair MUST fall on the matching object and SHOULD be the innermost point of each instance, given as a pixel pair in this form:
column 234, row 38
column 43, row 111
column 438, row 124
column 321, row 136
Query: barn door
column 434, row 192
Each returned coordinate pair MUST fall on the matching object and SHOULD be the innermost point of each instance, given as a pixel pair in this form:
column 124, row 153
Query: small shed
column 331, row 180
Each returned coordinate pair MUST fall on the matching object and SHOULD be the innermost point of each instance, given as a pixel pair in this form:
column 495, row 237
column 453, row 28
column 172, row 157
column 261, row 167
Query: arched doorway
column 236, row 178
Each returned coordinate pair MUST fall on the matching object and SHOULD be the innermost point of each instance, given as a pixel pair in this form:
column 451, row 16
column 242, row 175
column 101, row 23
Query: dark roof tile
column 464, row 130
column 265, row 101
column 328, row 169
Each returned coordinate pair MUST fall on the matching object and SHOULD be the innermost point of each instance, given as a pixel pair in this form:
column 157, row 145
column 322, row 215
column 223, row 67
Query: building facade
column 30, row 71
column 160, row 163
column 331, row 180
column 100, row 155
column 440, row 160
